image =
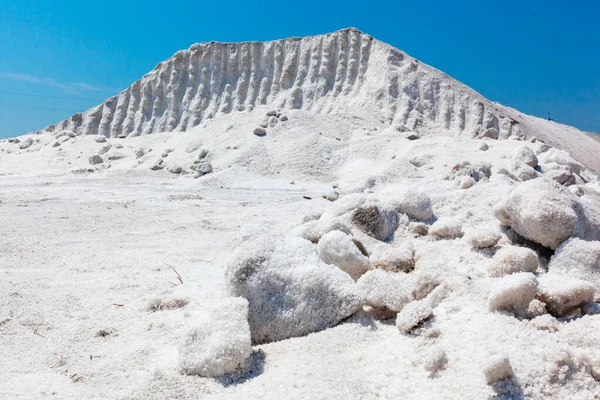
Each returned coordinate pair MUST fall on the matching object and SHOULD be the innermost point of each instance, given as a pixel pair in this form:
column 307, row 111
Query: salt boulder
column 497, row 368
column 375, row 219
column 476, row 170
column 100, row 139
column 414, row 203
column 561, row 157
column 491, row 133
column 337, row 248
column 104, row 148
column 260, row 131
column 25, row 144
column 511, row 259
column 446, row 227
column 562, row 293
column 559, row 173
column 290, row 291
column 219, row 342
column 546, row 213
column 483, row 236
column 95, row 159
column 578, row 259
column 466, row 182
column 522, row 171
column 385, row 289
column 412, row 315
column 526, row 155
column 513, row 293
column 114, row 156
column 395, row 258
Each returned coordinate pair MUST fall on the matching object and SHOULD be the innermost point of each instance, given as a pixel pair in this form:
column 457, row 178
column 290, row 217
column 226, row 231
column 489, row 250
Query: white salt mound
column 219, row 343
column 511, row 259
column 562, row 293
column 290, row 291
column 446, row 227
column 497, row 368
column 337, row 248
column 385, row 289
column 545, row 212
column 513, row 293
column 483, row 236
column 578, row 259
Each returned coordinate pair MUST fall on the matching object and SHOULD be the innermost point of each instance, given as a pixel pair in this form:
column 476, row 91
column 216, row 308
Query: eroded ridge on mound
column 341, row 71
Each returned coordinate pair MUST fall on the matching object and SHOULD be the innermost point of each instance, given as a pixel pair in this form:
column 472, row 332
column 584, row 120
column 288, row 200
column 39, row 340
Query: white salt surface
column 105, row 268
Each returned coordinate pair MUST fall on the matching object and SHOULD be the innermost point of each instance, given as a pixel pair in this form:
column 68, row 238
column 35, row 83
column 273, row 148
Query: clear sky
column 58, row 57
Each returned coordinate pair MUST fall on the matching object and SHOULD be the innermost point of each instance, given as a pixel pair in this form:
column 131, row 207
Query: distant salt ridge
column 342, row 71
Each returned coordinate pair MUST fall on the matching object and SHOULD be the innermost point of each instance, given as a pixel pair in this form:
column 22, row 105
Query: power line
column 21, row 106
column 50, row 97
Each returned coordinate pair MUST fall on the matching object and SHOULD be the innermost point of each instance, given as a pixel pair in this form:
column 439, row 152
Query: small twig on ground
column 179, row 278
column 3, row 322
column 76, row 378
column 60, row 362
column 35, row 331
column 118, row 305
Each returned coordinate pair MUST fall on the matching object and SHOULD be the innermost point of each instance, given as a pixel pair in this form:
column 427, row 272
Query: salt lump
column 578, row 259
column 375, row 220
column 497, row 368
column 511, row 259
column 483, row 237
column 413, row 203
column 563, row 158
column 413, row 315
column 562, row 294
column 546, row 213
column 526, row 155
column 446, row 227
column 337, row 248
column 435, row 360
column 513, row 293
column 220, row 343
column 290, row 291
column 398, row 258
column 384, row 289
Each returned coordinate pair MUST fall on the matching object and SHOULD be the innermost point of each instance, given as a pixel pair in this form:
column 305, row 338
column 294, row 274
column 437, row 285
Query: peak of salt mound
column 339, row 71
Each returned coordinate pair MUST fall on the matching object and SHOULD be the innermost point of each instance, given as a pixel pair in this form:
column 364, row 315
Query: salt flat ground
column 83, row 255
column 84, row 259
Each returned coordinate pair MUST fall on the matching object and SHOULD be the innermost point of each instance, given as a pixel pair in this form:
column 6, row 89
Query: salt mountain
column 345, row 71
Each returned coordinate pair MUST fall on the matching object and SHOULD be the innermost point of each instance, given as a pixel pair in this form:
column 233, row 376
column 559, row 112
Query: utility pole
column 549, row 119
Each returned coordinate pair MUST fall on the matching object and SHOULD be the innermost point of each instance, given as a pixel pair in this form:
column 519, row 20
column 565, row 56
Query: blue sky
column 60, row 57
